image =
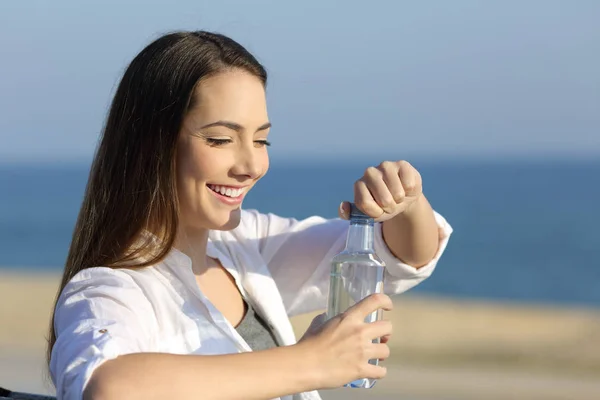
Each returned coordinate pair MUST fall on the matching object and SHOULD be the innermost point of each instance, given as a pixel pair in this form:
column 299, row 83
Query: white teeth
column 225, row 191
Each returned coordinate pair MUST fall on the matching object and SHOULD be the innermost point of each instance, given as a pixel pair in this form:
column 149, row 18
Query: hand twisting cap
column 356, row 212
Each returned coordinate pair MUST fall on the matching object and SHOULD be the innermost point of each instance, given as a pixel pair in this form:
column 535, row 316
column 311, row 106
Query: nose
column 248, row 163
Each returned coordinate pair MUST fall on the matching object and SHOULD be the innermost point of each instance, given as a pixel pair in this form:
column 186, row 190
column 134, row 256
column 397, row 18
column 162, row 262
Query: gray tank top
column 255, row 330
column 257, row 334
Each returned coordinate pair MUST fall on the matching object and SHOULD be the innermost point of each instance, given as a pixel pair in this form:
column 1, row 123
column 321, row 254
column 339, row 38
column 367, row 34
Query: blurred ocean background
column 496, row 103
column 524, row 231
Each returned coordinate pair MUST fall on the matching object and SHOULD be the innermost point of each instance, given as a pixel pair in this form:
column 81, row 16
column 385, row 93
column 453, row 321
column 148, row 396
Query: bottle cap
column 355, row 212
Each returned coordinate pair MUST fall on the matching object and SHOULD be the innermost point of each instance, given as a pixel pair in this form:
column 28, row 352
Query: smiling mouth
column 226, row 191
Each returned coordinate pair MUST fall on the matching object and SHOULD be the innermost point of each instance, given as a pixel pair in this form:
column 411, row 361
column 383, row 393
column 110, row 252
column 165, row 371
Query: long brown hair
column 131, row 186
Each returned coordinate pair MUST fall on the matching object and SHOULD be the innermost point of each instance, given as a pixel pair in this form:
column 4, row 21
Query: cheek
column 192, row 168
column 264, row 160
column 196, row 164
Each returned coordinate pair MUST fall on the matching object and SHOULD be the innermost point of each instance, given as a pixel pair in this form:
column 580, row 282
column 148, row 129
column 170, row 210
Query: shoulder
column 93, row 288
column 105, row 277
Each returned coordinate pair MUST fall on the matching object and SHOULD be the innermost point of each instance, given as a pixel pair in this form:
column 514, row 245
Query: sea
column 524, row 231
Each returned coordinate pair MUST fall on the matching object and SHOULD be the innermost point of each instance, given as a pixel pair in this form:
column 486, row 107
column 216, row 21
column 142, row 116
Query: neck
column 360, row 236
column 192, row 242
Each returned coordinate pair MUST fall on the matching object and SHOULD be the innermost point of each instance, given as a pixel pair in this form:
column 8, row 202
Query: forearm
column 413, row 236
column 250, row 376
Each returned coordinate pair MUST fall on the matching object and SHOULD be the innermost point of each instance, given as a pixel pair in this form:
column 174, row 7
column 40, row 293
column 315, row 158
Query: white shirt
column 281, row 265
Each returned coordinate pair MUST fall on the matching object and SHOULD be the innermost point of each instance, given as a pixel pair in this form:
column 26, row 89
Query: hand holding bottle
column 386, row 190
column 342, row 347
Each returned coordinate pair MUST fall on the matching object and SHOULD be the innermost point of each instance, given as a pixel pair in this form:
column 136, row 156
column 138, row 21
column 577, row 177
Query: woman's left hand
column 385, row 191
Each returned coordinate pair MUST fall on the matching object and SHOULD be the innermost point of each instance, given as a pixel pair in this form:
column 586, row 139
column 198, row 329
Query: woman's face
column 221, row 150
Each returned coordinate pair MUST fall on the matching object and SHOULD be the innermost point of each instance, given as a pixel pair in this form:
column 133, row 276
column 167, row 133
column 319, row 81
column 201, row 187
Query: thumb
column 344, row 210
column 316, row 324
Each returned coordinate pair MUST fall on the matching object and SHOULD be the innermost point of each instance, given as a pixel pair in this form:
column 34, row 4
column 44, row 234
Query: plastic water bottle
column 356, row 273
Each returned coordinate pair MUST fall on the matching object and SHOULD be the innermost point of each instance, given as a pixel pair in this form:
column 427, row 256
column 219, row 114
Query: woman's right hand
column 342, row 347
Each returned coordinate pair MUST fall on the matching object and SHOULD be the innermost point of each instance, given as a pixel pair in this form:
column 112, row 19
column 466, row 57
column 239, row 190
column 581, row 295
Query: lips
column 227, row 191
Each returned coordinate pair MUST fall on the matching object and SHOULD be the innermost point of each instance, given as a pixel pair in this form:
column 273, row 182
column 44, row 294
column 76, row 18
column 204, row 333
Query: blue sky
column 397, row 79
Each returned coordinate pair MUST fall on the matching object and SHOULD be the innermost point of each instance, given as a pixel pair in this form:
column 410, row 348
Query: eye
column 262, row 143
column 217, row 142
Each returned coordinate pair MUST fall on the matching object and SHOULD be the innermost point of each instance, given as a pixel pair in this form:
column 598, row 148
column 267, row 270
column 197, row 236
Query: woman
column 171, row 290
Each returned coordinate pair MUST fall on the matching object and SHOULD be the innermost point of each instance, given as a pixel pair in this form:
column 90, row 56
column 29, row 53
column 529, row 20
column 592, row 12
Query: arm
column 220, row 377
column 410, row 238
column 413, row 236
column 413, row 233
column 298, row 254
column 327, row 357
column 106, row 348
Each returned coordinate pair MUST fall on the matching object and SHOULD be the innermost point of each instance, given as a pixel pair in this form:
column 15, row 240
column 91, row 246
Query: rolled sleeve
column 101, row 314
column 299, row 253
column 400, row 276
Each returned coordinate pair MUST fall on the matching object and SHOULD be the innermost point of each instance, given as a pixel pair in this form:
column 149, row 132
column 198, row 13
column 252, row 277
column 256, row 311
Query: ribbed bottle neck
column 360, row 235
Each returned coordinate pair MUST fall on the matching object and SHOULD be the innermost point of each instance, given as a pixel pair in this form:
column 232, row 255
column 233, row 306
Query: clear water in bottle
column 356, row 273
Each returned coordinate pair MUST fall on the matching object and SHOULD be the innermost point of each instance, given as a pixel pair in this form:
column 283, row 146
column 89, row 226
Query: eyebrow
column 236, row 127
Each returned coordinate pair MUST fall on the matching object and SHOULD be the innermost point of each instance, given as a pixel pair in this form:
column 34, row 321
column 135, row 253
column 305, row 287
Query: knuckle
column 360, row 352
column 404, row 164
column 356, row 331
column 399, row 196
column 371, row 172
column 361, row 370
column 388, row 202
column 387, row 197
column 367, row 206
column 363, row 336
column 387, row 165
column 343, row 317
column 409, row 187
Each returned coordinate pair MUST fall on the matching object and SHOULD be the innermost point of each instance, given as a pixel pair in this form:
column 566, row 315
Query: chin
column 221, row 220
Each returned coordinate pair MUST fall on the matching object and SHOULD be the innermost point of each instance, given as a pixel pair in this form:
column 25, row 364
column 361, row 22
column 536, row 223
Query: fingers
column 378, row 329
column 370, row 304
column 375, row 181
column 374, row 371
column 411, row 179
column 344, row 210
column 384, row 189
column 365, row 200
column 392, row 180
column 384, row 339
column 379, row 352
column 317, row 323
